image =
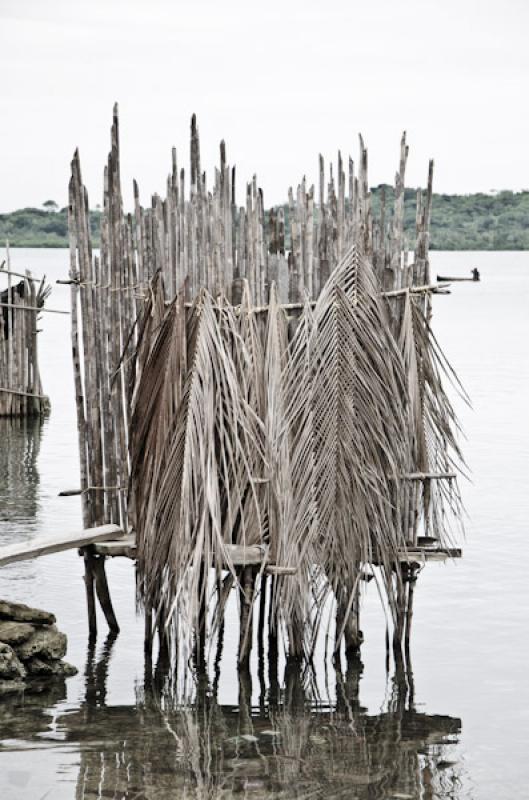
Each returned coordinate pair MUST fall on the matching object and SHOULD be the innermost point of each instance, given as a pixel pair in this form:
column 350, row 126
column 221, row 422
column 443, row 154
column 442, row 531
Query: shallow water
column 104, row 734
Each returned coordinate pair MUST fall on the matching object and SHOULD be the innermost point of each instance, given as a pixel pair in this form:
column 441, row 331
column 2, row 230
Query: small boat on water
column 475, row 277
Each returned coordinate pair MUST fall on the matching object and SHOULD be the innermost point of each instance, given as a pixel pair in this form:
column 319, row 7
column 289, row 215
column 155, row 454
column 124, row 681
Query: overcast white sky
column 281, row 81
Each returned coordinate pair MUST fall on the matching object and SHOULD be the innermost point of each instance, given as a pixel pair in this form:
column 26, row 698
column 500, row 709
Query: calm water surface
column 465, row 732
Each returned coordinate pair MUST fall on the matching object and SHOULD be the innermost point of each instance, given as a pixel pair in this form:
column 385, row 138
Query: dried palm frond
column 203, row 495
column 298, row 546
column 159, row 372
column 433, row 425
column 354, row 385
column 242, row 437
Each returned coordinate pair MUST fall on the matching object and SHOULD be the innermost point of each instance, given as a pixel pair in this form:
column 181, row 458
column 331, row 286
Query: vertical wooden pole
column 89, row 580
column 103, row 593
column 246, row 594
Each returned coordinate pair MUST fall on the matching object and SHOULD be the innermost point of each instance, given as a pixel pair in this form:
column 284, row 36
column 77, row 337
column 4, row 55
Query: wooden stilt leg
column 103, row 593
column 348, row 622
column 412, row 580
column 246, row 615
column 201, row 627
column 353, row 635
column 89, row 578
column 147, row 644
column 260, row 642
column 262, row 618
column 273, row 650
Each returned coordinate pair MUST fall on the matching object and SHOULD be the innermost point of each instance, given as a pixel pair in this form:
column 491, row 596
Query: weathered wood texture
column 200, row 237
column 23, row 551
column 20, row 304
column 207, row 239
column 253, row 556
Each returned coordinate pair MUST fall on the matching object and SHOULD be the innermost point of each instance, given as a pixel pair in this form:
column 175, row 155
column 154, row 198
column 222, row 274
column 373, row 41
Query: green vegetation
column 497, row 221
column 38, row 227
column 459, row 222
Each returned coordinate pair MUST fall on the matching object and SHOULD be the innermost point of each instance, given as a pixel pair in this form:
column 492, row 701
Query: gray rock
column 15, row 632
column 68, row 670
column 49, row 643
column 8, row 687
column 10, row 666
column 18, row 612
column 38, row 666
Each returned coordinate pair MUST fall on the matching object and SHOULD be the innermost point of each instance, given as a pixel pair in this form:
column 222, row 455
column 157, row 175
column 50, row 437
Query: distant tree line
column 498, row 221
column 41, row 227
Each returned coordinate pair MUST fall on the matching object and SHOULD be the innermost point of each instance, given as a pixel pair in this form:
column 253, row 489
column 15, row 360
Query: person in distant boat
column 475, row 274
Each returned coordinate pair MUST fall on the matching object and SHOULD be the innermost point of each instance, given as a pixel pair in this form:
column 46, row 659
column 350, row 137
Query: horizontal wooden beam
column 421, row 554
column 252, row 555
column 22, row 551
column 430, row 287
column 429, row 476
column 418, row 555
column 21, row 275
column 124, row 547
column 24, row 394
column 240, row 555
column 21, row 307
column 245, row 555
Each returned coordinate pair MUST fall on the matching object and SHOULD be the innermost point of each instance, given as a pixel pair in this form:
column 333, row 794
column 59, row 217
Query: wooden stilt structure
column 21, row 301
column 195, row 276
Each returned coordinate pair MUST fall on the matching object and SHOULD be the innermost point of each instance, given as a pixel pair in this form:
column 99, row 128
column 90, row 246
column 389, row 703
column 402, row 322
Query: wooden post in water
column 246, row 594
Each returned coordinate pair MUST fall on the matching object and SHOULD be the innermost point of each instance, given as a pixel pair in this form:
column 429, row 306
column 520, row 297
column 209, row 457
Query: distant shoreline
column 479, row 221
column 473, row 249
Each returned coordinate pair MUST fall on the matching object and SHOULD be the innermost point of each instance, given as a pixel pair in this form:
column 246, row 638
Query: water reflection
column 20, row 440
column 27, row 716
column 292, row 744
column 291, row 747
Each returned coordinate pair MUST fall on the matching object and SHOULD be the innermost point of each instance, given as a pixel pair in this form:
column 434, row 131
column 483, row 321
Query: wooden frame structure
column 158, row 266
column 21, row 301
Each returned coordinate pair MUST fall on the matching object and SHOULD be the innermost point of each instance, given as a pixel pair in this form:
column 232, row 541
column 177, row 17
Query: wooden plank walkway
column 22, row 551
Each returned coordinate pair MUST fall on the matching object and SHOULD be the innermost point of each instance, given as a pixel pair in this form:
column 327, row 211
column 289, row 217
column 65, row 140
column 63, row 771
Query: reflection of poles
column 295, row 697
column 403, row 691
column 405, row 589
column 207, row 751
column 245, row 699
column 348, row 688
column 20, row 439
column 96, row 672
